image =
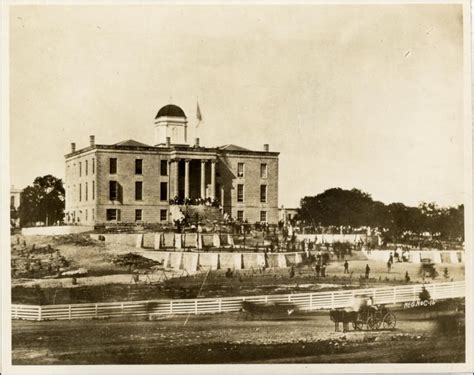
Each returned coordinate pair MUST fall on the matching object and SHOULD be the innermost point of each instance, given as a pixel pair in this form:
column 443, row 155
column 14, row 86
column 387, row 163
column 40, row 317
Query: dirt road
column 228, row 338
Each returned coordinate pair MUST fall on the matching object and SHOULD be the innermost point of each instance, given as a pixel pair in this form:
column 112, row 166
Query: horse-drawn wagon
column 366, row 318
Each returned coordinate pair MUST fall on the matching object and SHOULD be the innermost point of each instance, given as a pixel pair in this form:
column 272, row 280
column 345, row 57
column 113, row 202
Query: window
column 240, row 193
column 163, row 191
column 93, row 166
column 113, row 214
column 80, row 192
column 93, row 190
column 240, row 169
column 138, row 190
column 138, row 166
column 87, row 192
column 93, row 214
column 164, row 168
column 138, row 215
column 113, row 165
column 240, row 215
column 113, row 190
column 86, row 215
column 80, row 169
column 263, row 193
column 263, row 216
column 163, row 215
column 12, row 201
column 87, row 167
column 263, row 171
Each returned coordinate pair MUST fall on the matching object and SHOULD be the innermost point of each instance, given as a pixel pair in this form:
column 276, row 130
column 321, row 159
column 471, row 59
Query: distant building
column 135, row 182
column 15, row 195
column 287, row 214
column 15, row 200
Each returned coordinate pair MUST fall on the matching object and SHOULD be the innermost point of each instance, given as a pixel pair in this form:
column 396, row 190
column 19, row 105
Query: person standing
column 346, row 267
column 323, row 270
column 389, row 266
column 407, row 277
column 367, row 271
column 318, row 270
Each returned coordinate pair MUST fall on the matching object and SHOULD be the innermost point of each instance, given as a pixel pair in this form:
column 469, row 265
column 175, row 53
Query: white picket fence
column 304, row 301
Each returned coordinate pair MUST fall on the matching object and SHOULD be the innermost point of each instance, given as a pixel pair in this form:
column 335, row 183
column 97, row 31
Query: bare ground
column 227, row 338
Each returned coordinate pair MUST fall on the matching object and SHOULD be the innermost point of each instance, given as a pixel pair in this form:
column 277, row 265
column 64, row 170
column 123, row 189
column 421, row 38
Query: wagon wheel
column 377, row 318
column 358, row 323
column 389, row 321
column 372, row 323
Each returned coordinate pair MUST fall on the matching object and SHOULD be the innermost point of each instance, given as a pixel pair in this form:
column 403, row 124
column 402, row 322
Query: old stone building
column 134, row 182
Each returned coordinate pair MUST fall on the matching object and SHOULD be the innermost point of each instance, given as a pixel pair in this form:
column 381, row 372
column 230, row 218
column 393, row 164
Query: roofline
column 250, row 152
column 215, row 150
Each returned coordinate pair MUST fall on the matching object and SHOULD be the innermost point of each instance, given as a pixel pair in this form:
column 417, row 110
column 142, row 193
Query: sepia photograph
column 237, row 184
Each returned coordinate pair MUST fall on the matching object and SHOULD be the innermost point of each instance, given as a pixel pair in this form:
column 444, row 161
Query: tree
column 43, row 201
column 337, row 206
column 355, row 208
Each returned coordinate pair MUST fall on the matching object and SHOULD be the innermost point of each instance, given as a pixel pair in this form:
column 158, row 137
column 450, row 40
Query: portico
column 192, row 176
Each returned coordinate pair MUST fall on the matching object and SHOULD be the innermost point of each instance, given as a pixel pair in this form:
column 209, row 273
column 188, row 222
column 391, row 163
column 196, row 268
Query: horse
column 341, row 315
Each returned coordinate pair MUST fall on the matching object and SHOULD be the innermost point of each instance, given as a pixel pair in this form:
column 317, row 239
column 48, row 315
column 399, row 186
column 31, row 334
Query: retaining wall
column 56, row 230
column 194, row 261
column 331, row 238
column 416, row 256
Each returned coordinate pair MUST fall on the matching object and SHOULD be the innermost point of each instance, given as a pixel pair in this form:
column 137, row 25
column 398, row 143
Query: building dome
column 170, row 110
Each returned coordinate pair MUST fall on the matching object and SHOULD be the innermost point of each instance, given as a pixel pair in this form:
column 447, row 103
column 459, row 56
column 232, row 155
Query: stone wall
column 251, row 206
column 195, row 261
column 416, row 256
column 151, row 204
column 56, row 230
column 331, row 238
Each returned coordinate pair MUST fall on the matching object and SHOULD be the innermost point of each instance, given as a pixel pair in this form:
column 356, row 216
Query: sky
column 352, row 96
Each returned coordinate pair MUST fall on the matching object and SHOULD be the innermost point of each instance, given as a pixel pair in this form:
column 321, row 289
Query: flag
column 198, row 114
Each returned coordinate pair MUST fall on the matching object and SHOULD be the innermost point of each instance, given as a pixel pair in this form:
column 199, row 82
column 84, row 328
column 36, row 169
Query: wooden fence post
column 39, row 313
column 220, row 305
column 70, row 313
column 121, row 305
column 171, row 307
column 96, row 311
column 311, row 301
column 195, row 306
column 332, row 300
column 394, row 295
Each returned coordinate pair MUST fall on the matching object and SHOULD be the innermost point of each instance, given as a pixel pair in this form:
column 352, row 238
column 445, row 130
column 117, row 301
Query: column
column 175, row 178
column 222, row 199
column 203, row 178
column 169, row 192
column 213, row 179
column 186, row 178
